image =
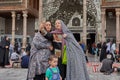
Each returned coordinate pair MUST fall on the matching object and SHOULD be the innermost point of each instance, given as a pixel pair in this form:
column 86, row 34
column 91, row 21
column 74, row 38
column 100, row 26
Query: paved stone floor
column 13, row 74
column 20, row 74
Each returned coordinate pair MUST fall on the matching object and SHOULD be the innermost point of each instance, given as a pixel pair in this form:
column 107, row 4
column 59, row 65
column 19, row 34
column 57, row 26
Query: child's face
column 54, row 62
column 22, row 50
column 58, row 24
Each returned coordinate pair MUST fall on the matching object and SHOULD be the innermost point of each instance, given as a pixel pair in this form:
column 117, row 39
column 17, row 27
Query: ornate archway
column 64, row 10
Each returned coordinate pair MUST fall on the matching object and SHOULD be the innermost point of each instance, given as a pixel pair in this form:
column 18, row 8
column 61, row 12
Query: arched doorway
column 90, row 41
column 77, row 36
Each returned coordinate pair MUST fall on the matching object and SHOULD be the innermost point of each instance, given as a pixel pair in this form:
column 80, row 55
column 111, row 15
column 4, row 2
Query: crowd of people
column 108, row 55
column 10, row 54
column 102, row 49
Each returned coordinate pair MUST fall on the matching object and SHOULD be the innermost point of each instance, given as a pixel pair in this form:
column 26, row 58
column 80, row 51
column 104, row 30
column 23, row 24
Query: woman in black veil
column 76, row 63
column 4, row 52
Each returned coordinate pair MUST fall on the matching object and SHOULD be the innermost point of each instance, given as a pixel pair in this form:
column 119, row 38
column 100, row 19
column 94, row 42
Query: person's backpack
column 55, row 75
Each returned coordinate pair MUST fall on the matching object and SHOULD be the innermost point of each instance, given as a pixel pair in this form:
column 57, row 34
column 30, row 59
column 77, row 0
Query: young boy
column 23, row 52
column 52, row 73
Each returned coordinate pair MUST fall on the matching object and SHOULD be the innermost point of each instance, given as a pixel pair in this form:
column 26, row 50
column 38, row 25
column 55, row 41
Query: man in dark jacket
column 107, row 65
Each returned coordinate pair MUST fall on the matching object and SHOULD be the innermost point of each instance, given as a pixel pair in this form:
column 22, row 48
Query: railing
column 10, row 1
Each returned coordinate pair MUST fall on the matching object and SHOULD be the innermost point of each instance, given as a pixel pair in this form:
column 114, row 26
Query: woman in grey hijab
column 76, row 63
column 39, row 54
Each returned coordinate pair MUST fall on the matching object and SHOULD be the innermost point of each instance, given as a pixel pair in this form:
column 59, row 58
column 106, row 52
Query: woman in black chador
column 103, row 52
column 4, row 52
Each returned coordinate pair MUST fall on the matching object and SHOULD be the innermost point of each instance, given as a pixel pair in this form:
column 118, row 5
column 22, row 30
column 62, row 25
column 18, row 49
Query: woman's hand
column 64, row 35
column 51, row 48
column 42, row 25
column 56, row 37
column 6, row 47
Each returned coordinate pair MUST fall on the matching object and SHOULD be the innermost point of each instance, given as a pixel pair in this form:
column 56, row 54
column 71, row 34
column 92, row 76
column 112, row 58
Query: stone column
column 24, row 28
column 40, row 11
column 103, row 19
column 26, row 3
column 13, row 26
column 117, row 27
column 84, row 22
